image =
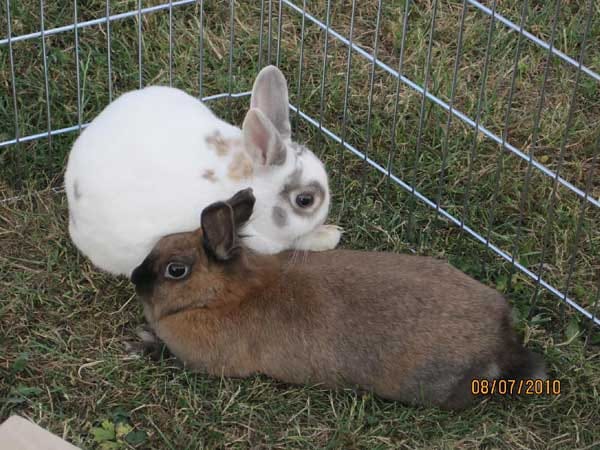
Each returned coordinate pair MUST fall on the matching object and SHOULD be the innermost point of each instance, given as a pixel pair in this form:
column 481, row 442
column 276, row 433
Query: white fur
column 138, row 172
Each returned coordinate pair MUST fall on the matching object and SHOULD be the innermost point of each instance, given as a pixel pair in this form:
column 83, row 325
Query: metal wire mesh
column 339, row 41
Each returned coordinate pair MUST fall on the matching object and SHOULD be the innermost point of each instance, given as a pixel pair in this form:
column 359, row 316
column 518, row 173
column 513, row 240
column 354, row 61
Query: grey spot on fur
column 76, row 190
column 209, row 175
column 298, row 148
column 293, row 183
column 279, row 216
column 280, row 156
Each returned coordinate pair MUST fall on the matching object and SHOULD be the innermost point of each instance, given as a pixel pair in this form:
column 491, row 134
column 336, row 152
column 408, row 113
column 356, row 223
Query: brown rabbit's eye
column 176, row 271
column 304, row 200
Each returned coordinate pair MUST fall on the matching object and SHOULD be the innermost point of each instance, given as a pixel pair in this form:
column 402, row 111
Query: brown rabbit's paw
column 147, row 336
column 134, row 349
column 148, row 345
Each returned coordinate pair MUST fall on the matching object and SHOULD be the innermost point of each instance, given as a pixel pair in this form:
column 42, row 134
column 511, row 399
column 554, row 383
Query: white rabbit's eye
column 305, row 199
column 176, row 271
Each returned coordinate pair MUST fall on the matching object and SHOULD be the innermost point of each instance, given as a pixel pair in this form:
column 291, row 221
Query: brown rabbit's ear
column 218, row 227
column 221, row 221
column 242, row 204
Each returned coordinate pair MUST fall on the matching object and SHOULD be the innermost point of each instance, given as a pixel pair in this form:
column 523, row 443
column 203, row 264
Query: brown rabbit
column 408, row 328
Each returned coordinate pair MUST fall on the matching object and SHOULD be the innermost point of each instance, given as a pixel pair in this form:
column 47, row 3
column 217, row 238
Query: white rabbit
column 155, row 158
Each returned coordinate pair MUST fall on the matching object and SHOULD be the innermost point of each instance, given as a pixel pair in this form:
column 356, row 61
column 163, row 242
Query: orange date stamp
column 515, row 387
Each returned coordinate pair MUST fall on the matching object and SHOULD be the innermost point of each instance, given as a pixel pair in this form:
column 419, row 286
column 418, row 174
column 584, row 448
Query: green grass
column 62, row 362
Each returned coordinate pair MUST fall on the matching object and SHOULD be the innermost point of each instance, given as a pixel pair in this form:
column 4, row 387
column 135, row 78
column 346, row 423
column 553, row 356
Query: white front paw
column 325, row 237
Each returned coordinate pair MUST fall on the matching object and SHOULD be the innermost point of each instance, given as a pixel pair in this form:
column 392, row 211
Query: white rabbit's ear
column 262, row 140
column 270, row 95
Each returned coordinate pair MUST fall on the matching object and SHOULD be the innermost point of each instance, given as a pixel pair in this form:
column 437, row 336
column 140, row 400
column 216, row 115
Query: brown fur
column 217, row 142
column 406, row 327
column 209, row 175
column 240, row 167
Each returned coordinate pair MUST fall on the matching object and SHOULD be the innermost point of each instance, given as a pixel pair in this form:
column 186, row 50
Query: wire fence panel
column 482, row 113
